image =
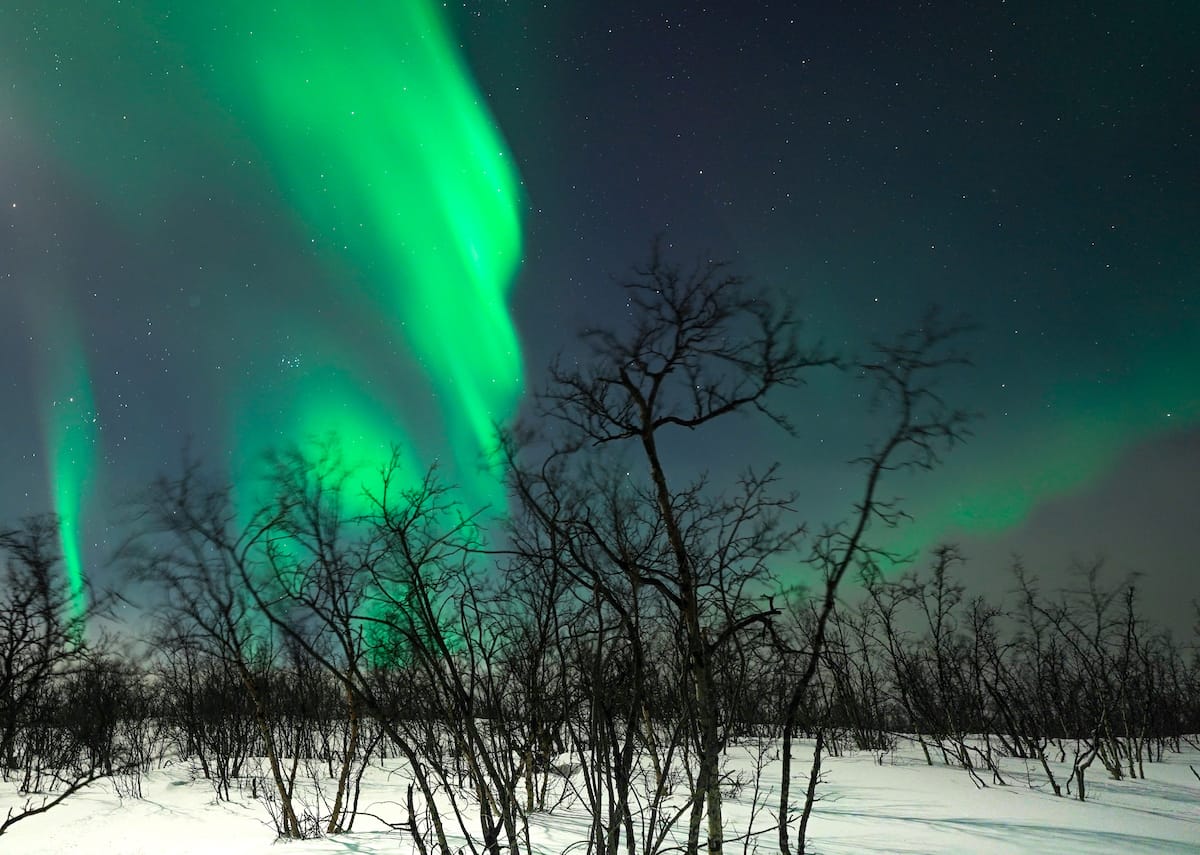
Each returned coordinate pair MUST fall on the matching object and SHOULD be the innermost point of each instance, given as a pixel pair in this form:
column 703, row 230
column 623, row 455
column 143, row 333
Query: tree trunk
column 810, row 795
column 339, row 799
column 291, row 825
column 701, row 669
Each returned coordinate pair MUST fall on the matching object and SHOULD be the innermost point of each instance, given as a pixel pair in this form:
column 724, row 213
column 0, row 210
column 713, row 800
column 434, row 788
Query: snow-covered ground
column 899, row 806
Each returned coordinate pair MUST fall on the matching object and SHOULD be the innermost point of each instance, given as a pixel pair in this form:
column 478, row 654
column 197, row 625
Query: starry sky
column 228, row 226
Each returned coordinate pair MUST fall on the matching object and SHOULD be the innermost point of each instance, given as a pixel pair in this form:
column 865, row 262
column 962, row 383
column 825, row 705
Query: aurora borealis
column 70, row 433
column 372, row 127
column 235, row 226
column 383, row 152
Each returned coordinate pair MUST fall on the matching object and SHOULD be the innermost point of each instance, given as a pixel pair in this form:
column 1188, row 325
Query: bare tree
column 387, row 601
column 619, row 646
column 44, row 657
column 208, row 715
column 922, row 427
column 701, row 346
column 198, row 554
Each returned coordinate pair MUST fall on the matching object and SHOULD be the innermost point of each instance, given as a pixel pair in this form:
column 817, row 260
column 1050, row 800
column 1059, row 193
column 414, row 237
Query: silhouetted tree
column 45, row 657
column 920, row 427
column 700, row 346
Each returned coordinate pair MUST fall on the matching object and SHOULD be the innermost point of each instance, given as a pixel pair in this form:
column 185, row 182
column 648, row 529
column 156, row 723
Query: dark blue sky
column 1029, row 165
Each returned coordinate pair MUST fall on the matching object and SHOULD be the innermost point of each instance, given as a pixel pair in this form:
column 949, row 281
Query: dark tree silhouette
column 701, row 346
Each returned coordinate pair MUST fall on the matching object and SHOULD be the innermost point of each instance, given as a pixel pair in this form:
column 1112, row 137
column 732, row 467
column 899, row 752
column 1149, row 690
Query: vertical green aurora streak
column 70, row 430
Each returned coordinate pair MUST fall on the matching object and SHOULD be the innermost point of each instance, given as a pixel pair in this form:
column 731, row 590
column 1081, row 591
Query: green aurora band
column 70, row 427
column 1095, row 426
column 367, row 121
column 376, row 134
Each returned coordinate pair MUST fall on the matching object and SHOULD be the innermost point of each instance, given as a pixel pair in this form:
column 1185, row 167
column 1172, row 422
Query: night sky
column 230, row 227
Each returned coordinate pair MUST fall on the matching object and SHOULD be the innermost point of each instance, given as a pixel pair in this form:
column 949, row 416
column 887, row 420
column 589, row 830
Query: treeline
column 605, row 649
column 522, row 697
column 1068, row 677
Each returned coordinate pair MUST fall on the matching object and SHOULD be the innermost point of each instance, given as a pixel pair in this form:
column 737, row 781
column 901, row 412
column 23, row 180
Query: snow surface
column 893, row 804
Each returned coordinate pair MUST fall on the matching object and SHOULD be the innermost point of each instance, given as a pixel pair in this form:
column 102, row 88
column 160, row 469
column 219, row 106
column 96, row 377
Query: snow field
column 868, row 803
